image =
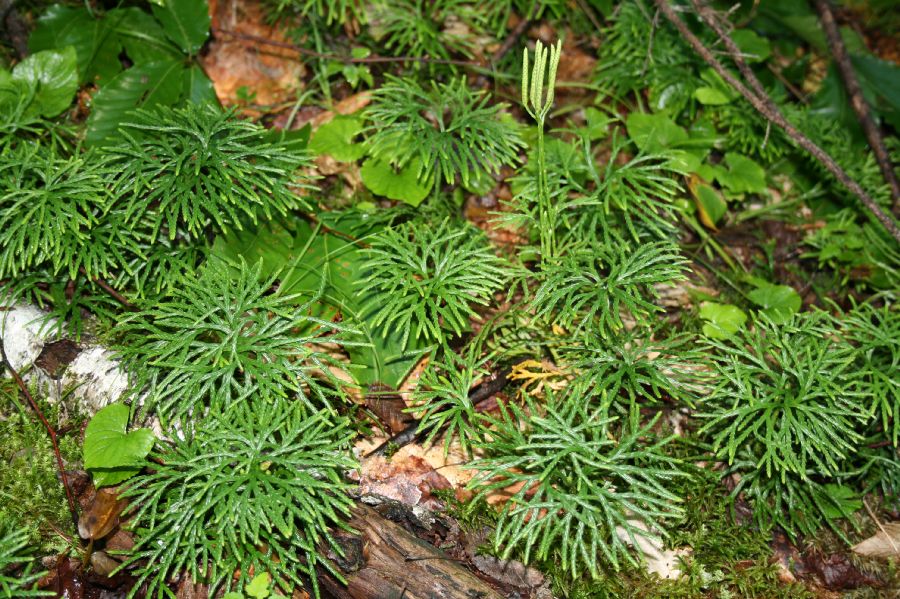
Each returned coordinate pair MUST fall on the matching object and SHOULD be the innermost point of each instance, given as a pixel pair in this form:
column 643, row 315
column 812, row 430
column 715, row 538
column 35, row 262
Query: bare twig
column 50, row 431
column 857, row 100
column 481, row 393
column 766, row 107
column 109, row 289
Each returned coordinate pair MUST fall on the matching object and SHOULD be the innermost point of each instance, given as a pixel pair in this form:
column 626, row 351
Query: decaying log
column 387, row 562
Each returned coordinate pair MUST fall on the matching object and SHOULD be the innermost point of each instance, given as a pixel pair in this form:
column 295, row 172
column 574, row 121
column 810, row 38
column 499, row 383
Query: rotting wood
column 385, row 561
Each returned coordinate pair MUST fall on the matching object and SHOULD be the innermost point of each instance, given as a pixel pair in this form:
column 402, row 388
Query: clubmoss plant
column 441, row 400
column 424, row 280
column 590, row 287
column 17, row 576
column 256, row 488
column 225, row 338
column 583, row 486
column 537, row 104
column 450, row 128
column 184, row 169
column 786, row 413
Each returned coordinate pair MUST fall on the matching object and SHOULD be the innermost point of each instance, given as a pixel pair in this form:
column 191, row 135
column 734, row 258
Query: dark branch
column 857, row 100
column 479, row 394
column 765, row 105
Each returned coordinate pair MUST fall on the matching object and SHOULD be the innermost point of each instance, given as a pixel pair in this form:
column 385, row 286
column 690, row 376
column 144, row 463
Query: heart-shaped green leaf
column 111, row 454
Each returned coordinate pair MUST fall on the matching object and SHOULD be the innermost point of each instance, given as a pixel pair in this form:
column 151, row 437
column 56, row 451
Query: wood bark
column 385, row 561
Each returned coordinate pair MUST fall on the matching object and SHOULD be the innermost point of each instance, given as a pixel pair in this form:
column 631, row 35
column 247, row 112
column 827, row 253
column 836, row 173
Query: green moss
column 31, row 495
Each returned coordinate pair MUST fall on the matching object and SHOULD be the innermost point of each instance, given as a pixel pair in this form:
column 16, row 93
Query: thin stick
column 766, row 107
column 50, row 431
column 481, row 393
column 857, row 100
column 109, row 289
column 881, row 527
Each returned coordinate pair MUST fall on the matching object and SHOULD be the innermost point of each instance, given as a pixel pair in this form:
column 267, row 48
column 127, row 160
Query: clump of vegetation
column 426, row 280
column 224, row 339
column 585, row 485
column 257, row 487
column 636, row 268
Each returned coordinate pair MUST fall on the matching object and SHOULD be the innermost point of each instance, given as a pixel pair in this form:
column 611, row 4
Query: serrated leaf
column 96, row 46
column 186, row 22
column 654, row 132
column 335, row 138
column 141, row 86
column 722, row 320
column 778, row 302
column 112, row 452
column 403, row 184
column 54, row 73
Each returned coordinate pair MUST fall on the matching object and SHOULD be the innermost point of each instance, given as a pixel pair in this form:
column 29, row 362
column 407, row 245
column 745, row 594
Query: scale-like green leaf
column 111, row 454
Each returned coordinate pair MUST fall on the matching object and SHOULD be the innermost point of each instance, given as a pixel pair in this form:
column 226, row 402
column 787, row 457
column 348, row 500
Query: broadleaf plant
column 112, row 455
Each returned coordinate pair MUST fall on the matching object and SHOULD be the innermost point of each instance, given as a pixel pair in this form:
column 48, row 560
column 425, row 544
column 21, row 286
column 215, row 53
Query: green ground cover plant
column 635, row 311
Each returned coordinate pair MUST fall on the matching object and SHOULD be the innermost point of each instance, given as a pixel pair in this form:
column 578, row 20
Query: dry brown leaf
column 103, row 564
column 273, row 73
column 886, row 543
column 388, row 407
column 102, row 515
